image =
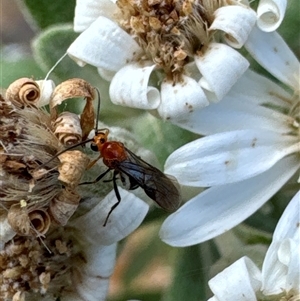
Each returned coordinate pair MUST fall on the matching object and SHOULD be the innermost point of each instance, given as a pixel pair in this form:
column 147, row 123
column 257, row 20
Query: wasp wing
column 161, row 188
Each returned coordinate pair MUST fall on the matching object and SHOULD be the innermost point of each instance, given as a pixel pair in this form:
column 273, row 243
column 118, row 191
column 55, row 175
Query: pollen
column 170, row 32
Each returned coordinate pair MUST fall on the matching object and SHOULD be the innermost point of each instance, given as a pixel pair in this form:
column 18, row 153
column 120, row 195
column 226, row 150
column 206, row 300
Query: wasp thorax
column 169, row 31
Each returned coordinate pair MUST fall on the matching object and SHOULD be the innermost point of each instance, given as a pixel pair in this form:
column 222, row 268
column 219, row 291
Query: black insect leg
column 97, row 179
column 117, row 195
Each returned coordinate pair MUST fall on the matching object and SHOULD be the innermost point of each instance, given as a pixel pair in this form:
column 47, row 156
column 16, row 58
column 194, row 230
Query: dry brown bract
column 35, row 201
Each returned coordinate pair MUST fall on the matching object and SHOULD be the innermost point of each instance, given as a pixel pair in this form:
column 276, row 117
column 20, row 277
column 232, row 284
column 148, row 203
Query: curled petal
column 46, row 89
column 270, row 14
column 104, row 44
column 63, row 206
column 67, row 128
column 6, row 232
column 23, row 92
column 236, row 21
column 271, row 52
column 180, row 99
column 73, row 165
column 221, row 66
column 129, row 87
column 226, row 157
column 25, row 222
column 239, row 281
column 89, row 288
column 281, row 265
column 91, row 275
column 216, row 211
column 125, row 218
column 75, row 87
column 87, row 11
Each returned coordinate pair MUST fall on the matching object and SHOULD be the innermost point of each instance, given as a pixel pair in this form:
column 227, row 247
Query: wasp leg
column 97, row 179
column 118, row 198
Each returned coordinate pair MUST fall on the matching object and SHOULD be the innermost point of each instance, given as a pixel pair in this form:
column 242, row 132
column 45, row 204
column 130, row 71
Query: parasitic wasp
column 161, row 188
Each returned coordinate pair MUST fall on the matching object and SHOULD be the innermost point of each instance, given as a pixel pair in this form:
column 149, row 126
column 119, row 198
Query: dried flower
column 48, row 248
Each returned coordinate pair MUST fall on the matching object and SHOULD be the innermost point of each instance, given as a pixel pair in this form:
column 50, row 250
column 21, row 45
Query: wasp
column 161, row 188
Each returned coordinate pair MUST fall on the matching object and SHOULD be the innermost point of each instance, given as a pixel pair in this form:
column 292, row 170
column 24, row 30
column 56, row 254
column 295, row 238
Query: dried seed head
column 63, row 206
column 27, row 265
column 68, row 129
column 170, row 32
column 73, row 164
column 23, row 92
column 28, row 139
column 25, row 222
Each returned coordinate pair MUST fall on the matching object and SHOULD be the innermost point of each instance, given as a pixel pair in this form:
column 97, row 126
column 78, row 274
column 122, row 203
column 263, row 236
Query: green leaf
column 46, row 13
column 192, row 273
column 162, row 138
column 13, row 70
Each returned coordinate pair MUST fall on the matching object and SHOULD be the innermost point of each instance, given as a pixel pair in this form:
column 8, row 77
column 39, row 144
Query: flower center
column 169, row 31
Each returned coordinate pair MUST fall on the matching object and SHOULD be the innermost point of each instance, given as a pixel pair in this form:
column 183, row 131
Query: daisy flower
column 173, row 56
column 279, row 277
column 251, row 149
column 52, row 242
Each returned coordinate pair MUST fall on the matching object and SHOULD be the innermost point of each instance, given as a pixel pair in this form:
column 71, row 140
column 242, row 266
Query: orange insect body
column 111, row 152
column 159, row 187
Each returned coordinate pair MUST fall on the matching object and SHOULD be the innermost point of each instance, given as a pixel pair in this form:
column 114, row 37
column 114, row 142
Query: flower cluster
column 164, row 55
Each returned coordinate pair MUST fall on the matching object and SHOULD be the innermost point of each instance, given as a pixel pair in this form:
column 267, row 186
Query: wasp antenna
column 65, row 150
column 98, row 109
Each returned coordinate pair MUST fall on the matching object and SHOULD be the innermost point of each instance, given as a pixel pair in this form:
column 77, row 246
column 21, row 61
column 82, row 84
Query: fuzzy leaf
column 46, row 13
column 51, row 45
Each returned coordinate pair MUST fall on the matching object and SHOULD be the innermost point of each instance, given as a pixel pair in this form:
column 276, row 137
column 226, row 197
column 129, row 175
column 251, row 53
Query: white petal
column 179, row 100
column 273, row 272
column 6, row 232
column 240, row 110
column 104, row 44
column 129, row 87
column 87, row 11
column 90, row 288
column 289, row 254
column 236, row 21
column 106, row 74
column 270, row 14
column 271, row 52
column 239, row 281
column 220, row 208
column 46, row 87
column 99, row 260
column 257, row 89
column 288, row 225
column 124, row 219
column 221, row 66
column 226, row 157
column 281, row 265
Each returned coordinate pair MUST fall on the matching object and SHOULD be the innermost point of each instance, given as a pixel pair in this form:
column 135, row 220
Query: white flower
column 168, row 56
column 280, row 275
column 251, row 151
